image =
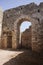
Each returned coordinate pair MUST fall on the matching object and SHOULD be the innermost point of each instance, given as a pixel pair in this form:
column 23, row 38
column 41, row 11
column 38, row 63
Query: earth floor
column 19, row 57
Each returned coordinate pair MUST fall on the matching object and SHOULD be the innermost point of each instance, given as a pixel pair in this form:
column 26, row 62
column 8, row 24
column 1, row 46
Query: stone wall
column 1, row 18
column 26, row 38
column 13, row 18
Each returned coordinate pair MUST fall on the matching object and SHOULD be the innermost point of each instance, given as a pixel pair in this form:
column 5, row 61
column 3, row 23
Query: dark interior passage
column 9, row 42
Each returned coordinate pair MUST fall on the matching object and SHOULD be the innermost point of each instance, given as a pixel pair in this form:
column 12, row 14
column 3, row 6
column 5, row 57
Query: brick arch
column 17, row 29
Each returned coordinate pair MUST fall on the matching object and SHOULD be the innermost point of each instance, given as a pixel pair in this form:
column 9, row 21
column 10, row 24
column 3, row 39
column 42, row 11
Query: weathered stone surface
column 1, row 18
column 26, row 38
column 13, row 18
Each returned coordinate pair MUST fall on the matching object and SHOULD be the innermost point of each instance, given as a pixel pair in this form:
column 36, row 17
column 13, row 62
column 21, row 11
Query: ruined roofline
column 26, row 30
column 21, row 6
column 32, row 4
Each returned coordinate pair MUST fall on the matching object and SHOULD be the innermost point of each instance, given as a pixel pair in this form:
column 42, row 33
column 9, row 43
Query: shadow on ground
column 26, row 58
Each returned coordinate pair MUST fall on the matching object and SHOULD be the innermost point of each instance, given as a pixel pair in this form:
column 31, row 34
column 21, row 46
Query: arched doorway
column 17, row 24
column 9, row 39
column 16, row 32
column 25, row 35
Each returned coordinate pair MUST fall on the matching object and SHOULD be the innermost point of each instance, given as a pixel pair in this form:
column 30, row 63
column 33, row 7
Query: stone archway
column 17, row 31
column 12, row 19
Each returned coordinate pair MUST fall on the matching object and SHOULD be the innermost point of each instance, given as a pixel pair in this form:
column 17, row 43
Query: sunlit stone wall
column 13, row 18
column 1, row 18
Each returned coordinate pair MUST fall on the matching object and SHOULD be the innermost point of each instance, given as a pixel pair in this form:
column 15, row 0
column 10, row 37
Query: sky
column 25, row 24
column 7, row 4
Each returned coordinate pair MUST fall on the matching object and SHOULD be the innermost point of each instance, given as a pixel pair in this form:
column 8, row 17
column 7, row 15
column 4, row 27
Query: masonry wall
column 13, row 18
column 26, row 38
column 1, row 18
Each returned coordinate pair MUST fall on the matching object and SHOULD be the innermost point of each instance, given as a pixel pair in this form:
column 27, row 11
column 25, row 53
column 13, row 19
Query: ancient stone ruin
column 12, row 19
column 1, row 18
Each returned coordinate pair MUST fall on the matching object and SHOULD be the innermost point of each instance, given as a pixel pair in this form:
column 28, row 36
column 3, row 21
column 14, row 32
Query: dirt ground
column 21, row 57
